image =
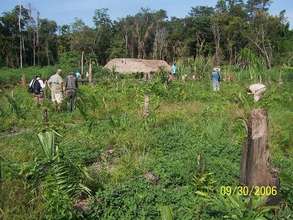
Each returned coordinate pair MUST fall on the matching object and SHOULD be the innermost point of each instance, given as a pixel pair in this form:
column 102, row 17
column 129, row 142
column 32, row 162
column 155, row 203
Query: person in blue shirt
column 216, row 78
column 173, row 69
column 77, row 75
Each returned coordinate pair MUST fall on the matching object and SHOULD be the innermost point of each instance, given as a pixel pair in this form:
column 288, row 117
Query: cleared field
column 140, row 168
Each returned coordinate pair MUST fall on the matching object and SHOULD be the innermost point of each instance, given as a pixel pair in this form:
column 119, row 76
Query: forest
column 148, row 148
column 233, row 32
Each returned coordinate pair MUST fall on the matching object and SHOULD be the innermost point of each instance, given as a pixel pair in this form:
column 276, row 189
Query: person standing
column 216, row 78
column 71, row 86
column 77, row 75
column 171, row 75
column 55, row 84
column 37, row 87
column 174, row 69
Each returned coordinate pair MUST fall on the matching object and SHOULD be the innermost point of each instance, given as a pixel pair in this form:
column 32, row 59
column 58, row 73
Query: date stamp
column 249, row 191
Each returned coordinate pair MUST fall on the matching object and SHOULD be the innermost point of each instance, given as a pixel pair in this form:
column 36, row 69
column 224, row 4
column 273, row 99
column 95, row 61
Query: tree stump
column 45, row 116
column 255, row 168
column 23, row 81
column 146, row 106
column 146, row 76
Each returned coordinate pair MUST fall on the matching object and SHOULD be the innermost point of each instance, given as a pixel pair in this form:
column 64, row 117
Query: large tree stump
column 255, row 169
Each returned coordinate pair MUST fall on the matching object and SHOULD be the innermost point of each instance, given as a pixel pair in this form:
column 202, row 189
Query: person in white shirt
column 56, row 85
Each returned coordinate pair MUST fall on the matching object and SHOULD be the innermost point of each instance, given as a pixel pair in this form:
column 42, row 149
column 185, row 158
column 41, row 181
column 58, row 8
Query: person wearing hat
column 216, row 78
column 55, row 84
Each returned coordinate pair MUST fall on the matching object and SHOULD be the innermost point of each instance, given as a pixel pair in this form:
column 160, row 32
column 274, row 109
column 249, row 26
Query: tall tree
column 103, row 28
column 48, row 42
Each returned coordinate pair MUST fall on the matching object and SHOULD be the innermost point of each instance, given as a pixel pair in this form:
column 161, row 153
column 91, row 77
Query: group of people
column 215, row 76
column 68, row 87
column 59, row 89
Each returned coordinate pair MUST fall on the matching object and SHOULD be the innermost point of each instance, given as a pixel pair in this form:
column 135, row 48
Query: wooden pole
column 90, row 72
column 81, row 64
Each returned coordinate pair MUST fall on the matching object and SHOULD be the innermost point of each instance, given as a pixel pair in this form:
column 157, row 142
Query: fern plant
column 47, row 142
column 166, row 213
column 236, row 206
column 15, row 107
column 58, row 177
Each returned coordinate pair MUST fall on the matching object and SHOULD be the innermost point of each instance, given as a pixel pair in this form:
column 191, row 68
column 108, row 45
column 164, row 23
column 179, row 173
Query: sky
column 64, row 11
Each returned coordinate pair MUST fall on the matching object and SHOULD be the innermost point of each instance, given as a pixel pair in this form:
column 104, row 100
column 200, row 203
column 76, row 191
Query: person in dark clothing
column 71, row 86
column 36, row 87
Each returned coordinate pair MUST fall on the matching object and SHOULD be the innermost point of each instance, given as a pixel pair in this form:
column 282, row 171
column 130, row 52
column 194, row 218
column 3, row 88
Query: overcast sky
column 64, row 11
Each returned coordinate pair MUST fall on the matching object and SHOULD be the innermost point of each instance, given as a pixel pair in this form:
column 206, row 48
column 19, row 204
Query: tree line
column 234, row 32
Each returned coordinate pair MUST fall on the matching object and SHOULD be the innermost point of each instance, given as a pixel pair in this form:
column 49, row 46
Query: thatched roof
column 130, row 65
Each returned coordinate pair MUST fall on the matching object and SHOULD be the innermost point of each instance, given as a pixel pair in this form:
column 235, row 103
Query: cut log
column 255, row 168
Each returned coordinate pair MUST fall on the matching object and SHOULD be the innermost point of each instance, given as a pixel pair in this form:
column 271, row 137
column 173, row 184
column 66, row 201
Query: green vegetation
column 106, row 161
column 235, row 32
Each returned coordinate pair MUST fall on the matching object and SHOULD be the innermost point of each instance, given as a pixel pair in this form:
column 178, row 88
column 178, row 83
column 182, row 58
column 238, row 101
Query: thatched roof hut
column 130, row 65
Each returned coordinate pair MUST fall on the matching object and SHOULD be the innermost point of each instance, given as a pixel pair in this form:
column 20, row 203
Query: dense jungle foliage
column 229, row 31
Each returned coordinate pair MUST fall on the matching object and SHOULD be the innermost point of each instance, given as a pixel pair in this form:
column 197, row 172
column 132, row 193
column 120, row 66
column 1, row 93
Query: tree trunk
column 126, row 44
column 255, row 169
column 20, row 52
column 81, row 63
column 23, row 50
column 90, row 72
column 20, row 38
column 38, row 40
column 216, row 33
column 34, row 48
column 47, row 52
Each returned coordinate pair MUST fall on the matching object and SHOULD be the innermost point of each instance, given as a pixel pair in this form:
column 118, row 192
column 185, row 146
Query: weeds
column 191, row 141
